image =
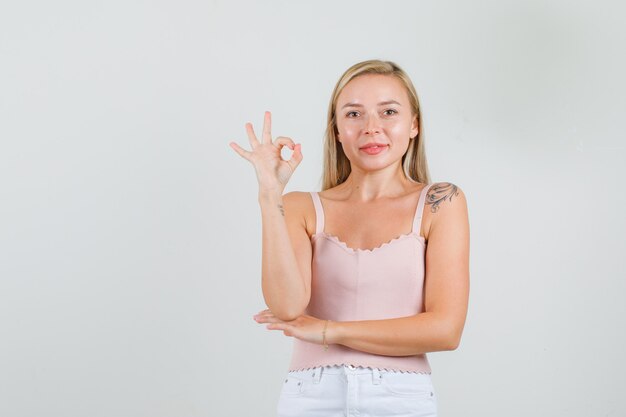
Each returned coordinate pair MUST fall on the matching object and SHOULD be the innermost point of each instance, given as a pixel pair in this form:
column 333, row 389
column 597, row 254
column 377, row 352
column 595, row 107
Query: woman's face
column 374, row 108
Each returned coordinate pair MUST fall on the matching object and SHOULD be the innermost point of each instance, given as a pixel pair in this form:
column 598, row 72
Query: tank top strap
column 319, row 212
column 417, row 219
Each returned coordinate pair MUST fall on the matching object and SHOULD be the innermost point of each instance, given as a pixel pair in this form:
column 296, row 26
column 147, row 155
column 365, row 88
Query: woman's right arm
column 287, row 252
column 286, row 270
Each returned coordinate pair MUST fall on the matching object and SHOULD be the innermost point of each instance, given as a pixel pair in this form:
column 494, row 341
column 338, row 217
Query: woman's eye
column 349, row 114
column 390, row 110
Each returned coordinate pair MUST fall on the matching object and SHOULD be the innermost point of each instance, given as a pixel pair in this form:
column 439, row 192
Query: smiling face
column 374, row 108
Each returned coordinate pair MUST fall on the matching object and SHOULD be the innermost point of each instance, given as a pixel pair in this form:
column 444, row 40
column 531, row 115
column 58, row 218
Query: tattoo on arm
column 282, row 210
column 438, row 193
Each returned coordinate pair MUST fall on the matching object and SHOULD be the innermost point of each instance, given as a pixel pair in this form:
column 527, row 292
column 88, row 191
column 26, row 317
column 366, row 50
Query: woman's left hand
column 305, row 327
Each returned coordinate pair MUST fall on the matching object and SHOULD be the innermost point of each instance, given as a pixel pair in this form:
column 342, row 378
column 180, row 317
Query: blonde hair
column 336, row 164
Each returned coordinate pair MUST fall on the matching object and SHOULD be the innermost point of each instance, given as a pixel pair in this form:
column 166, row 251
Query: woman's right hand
column 272, row 171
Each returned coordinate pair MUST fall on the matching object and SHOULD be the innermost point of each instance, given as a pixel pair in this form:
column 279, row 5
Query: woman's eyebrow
column 382, row 103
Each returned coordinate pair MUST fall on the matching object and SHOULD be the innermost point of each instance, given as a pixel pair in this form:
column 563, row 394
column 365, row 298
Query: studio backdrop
column 130, row 232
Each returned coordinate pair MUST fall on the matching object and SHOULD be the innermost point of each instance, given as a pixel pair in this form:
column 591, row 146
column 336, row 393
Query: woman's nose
column 372, row 126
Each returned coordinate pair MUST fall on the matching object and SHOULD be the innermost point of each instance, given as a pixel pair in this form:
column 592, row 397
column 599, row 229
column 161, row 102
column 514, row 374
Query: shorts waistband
column 351, row 369
column 316, row 373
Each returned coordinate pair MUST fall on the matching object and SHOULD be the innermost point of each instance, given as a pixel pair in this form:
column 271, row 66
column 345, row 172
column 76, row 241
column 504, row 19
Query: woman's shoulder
column 297, row 199
column 444, row 191
column 444, row 205
column 295, row 196
column 300, row 205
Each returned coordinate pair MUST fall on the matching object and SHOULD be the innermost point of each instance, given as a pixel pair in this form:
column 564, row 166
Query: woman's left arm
column 446, row 294
column 446, row 290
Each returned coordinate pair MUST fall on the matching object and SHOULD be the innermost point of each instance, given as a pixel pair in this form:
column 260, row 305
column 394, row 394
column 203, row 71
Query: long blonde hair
column 336, row 164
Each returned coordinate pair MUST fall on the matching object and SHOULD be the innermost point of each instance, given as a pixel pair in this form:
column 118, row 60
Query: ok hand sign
column 272, row 171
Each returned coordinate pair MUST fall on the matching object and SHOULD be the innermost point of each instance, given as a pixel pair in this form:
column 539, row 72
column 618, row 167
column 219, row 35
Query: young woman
column 372, row 272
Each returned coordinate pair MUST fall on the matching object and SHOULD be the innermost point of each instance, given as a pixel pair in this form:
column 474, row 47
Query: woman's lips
column 373, row 150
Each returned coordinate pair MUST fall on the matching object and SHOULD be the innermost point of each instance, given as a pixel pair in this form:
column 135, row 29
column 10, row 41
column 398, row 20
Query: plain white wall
column 130, row 230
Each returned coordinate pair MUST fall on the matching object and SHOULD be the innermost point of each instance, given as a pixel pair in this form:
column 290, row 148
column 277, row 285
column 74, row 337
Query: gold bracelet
column 324, row 335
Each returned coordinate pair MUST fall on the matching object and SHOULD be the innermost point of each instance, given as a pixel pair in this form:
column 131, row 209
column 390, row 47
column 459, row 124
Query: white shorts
column 339, row 391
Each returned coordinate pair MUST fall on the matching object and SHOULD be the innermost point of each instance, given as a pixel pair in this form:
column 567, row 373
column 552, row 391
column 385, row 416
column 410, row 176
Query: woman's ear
column 414, row 127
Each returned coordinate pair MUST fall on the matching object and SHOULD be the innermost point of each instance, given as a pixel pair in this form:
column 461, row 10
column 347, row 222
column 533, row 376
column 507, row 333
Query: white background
column 130, row 233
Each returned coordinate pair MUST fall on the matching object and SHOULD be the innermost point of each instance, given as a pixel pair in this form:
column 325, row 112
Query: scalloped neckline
column 344, row 245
